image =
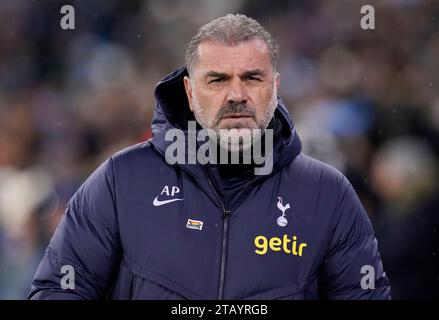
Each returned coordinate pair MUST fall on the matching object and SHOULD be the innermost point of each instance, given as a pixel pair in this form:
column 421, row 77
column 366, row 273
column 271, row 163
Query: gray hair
column 231, row 30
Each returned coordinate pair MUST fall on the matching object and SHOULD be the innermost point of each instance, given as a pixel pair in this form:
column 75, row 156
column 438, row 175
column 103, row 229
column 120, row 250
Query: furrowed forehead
column 242, row 57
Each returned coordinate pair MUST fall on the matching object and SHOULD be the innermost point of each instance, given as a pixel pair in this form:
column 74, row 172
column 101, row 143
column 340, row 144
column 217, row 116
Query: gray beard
column 231, row 139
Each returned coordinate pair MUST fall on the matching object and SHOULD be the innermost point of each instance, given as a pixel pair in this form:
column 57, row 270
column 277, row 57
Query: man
column 141, row 228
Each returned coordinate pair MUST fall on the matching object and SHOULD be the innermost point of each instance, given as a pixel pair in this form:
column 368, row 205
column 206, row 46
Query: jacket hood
column 172, row 112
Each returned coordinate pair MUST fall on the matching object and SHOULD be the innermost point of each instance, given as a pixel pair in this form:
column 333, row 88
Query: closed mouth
column 237, row 115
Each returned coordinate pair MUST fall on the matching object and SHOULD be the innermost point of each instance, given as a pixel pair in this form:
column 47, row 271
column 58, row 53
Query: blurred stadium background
column 365, row 101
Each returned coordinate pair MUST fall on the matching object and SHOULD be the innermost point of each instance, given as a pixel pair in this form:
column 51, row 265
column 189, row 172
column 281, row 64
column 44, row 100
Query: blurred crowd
column 364, row 101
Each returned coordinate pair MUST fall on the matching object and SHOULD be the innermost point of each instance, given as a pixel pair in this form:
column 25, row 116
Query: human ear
column 188, row 89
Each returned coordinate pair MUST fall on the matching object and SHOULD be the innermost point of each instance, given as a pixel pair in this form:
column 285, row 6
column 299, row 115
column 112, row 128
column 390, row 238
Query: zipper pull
column 226, row 213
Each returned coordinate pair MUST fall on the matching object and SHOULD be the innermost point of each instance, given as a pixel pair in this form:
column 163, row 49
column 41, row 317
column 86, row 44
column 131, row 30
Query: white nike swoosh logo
column 158, row 202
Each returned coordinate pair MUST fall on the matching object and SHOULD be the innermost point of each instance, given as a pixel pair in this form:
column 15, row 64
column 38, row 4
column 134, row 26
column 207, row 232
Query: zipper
column 224, row 241
column 131, row 288
column 223, row 255
column 225, row 237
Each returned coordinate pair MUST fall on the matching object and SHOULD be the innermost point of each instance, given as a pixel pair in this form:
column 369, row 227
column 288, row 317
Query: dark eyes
column 249, row 78
column 217, row 80
column 253, row 78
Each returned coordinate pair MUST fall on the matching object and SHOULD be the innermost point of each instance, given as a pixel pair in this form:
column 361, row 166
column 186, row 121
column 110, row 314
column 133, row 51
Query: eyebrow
column 254, row 72
column 215, row 74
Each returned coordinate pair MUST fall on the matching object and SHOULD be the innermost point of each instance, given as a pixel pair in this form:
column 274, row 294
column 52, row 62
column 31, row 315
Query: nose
column 236, row 91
